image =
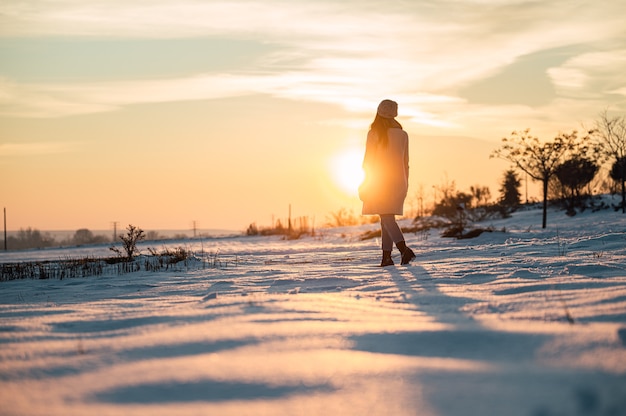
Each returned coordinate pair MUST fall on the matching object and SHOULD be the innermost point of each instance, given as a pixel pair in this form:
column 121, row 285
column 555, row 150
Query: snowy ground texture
column 523, row 322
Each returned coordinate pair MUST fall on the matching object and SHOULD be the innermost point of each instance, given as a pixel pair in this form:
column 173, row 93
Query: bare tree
column 611, row 135
column 539, row 160
column 579, row 169
column 130, row 241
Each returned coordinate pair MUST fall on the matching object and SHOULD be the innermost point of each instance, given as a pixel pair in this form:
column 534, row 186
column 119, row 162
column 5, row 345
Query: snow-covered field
column 523, row 322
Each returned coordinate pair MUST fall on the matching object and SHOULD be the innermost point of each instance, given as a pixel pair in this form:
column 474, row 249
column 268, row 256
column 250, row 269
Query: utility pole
column 289, row 217
column 194, row 229
column 526, row 188
column 115, row 231
column 5, row 229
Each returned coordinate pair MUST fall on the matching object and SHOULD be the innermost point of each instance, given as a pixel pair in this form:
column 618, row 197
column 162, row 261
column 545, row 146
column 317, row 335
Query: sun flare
column 347, row 170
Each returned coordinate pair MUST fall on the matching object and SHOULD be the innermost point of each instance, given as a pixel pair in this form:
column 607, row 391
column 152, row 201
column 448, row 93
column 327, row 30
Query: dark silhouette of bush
column 510, row 197
column 618, row 174
column 130, row 241
column 84, row 236
column 574, row 174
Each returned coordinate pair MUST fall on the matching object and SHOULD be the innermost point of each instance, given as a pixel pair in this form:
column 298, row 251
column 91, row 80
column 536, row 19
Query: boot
column 387, row 260
column 407, row 253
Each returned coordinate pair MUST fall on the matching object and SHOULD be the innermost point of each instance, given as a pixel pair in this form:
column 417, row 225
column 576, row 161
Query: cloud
column 166, row 18
column 620, row 91
column 594, row 73
column 348, row 54
column 64, row 99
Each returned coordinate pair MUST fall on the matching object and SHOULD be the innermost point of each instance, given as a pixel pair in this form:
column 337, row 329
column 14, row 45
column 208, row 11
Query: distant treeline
column 32, row 238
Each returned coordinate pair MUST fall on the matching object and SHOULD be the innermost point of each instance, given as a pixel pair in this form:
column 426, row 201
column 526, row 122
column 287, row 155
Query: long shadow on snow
column 514, row 391
column 204, row 391
column 490, row 390
column 530, row 288
column 466, row 338
column 105, row 327
column 422, row 290
column 183, row 350
column 134, row 354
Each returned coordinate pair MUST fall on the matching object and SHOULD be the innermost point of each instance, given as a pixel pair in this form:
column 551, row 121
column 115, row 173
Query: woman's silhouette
column 386, row 166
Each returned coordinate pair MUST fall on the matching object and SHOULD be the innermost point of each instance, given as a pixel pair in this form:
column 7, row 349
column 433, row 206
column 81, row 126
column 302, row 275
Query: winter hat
column 388, row 109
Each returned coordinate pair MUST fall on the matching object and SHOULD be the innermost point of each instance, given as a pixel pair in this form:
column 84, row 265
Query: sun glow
column 347, row 171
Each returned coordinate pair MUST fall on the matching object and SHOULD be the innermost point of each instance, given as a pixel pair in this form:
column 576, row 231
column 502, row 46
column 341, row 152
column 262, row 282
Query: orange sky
column 225, row 113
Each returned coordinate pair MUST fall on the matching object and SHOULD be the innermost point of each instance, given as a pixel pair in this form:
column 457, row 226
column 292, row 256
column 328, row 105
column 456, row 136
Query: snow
column 523, row 321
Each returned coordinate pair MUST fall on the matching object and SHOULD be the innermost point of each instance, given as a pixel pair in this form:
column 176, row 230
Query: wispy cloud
column 59, row 99
column 343, row 53
column 595, row 73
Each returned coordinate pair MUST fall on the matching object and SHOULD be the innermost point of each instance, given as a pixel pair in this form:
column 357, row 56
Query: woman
column 386, row 166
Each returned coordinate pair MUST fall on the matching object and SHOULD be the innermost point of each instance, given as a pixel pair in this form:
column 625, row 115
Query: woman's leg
column 390, row 227
column 386, row 233
column 391, row 230
column 387, row 244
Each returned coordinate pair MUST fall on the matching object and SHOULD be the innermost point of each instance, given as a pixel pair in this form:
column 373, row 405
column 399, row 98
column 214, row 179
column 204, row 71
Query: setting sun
column 347, row 171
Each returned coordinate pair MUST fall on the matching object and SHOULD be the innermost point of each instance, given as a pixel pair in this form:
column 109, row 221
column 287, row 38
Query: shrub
column 130, row 241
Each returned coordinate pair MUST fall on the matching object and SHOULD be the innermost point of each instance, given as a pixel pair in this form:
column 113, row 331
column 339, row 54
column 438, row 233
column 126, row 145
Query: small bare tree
column 130, row 241
column 579, row 169
column 539, row 160
column 611, row 135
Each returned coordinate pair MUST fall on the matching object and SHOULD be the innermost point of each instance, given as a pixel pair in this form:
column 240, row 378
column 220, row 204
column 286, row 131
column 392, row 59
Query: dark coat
column 386, row 173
